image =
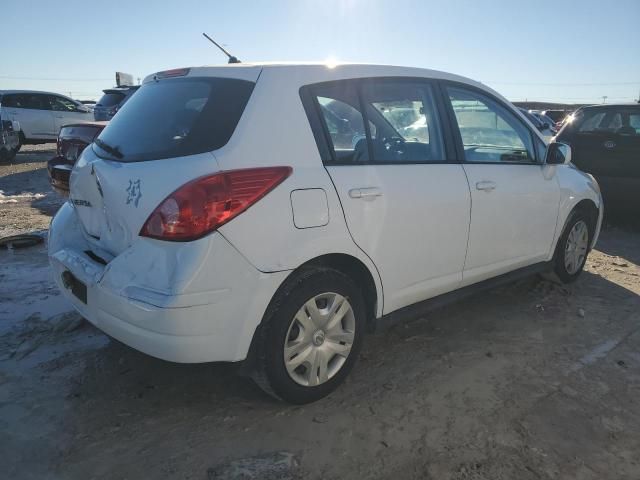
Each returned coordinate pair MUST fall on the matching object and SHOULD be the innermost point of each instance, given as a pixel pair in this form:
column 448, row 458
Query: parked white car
column 273, row 214
column 41, row 114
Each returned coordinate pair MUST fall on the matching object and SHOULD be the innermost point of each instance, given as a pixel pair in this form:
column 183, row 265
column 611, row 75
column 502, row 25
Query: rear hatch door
column 162, row 138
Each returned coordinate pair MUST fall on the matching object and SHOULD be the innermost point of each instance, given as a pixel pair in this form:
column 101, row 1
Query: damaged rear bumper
column 183, row 302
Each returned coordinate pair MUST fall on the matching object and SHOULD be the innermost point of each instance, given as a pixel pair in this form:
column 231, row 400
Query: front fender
column 575, row 187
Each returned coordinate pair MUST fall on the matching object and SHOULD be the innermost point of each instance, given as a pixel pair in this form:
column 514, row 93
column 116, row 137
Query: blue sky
column 571, row 50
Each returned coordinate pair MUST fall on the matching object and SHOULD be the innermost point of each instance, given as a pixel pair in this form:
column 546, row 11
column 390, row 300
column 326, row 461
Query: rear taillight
column 206, row 203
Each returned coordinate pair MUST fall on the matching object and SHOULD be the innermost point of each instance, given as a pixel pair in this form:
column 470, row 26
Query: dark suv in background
column 605, row 141
column 111, row 101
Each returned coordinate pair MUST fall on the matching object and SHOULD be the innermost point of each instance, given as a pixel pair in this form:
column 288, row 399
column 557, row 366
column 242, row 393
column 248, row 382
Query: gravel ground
column 27, row 203
column 529, row 381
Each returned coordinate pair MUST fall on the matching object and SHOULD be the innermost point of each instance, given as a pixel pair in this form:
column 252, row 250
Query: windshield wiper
column 115, row 151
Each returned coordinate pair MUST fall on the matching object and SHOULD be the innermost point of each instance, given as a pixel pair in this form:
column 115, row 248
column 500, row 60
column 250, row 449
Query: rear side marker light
column 205, row 204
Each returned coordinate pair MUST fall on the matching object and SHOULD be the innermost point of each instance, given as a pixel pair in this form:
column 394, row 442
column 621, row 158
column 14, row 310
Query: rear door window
column 408, row 127
column 31, row 101
column 339, row 107
column 175, row 117
column 380, row 121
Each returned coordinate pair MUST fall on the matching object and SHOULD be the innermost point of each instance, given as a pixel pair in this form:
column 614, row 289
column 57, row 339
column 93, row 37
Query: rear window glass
column 111, row 99
column 607, row 121
column 174, row 118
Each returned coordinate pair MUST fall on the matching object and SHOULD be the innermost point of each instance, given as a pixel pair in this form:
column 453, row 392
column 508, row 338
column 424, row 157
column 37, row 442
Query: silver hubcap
column 319, row 339
column 575, row 250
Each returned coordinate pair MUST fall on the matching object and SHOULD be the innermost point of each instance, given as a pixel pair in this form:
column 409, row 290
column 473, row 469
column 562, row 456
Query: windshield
column 174, row 118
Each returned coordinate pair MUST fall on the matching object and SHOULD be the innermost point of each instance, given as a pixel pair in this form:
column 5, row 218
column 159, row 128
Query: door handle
column 486, row 185
column 368, row 193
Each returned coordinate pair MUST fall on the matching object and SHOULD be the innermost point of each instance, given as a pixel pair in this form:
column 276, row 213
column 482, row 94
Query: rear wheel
column 6, row 155
column 311, row 336
column 573, row 247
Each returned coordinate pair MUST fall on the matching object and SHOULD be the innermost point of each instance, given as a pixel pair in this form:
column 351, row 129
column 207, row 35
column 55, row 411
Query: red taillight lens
column 206, row 203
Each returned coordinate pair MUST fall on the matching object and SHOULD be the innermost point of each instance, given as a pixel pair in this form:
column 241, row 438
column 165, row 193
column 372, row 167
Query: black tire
column 6, row 155
column 559, row 264
column 21, row 142
column 270, row 372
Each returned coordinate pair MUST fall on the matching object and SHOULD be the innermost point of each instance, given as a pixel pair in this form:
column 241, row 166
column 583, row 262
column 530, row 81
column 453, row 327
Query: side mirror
column 558, row 154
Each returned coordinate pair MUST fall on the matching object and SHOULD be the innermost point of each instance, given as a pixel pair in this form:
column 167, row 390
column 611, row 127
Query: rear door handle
column 368, row 193
column 486, row 185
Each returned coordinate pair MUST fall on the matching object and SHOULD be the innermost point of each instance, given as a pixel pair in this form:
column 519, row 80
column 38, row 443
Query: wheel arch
column 348, row 264
column 589, row 207
column 356, row 270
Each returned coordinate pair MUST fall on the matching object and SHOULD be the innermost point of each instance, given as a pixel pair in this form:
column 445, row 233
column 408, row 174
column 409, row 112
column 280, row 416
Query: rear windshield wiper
column 115, row 151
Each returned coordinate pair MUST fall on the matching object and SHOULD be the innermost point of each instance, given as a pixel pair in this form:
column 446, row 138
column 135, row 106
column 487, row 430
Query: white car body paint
column 426, row 231
column 513, row 225
column 175, row 301
column 576, row 186
column 309, row 208
column 418, row 249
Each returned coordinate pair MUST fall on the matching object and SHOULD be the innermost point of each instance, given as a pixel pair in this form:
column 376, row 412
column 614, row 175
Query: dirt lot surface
column 530, row 381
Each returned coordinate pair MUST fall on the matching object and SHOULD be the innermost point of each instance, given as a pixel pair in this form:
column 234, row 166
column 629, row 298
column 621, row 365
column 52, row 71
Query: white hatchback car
column 41, row 114
column 273, row 214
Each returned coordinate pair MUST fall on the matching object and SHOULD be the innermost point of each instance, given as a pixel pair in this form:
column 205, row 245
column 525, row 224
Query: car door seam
column 466, row 252
column 335, row 188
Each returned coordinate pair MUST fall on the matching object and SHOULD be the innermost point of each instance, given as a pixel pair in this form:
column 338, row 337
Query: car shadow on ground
column 518, row 342
column 473, row 369
column 119, row 371
column 620, row 237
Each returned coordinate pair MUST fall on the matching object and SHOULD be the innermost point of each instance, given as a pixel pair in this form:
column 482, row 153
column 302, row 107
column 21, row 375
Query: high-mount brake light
column 203, row 205
column 176, row 72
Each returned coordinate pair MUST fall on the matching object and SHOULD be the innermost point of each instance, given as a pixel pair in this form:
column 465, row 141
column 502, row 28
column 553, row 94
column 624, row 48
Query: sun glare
column 331, row 62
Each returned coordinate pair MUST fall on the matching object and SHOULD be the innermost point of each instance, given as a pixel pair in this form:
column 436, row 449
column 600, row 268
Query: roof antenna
column 232, row 59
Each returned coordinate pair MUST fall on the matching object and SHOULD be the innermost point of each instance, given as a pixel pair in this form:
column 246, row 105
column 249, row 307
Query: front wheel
column 311, row 336
column 21, row 142
column 573, row 247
